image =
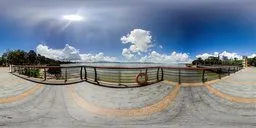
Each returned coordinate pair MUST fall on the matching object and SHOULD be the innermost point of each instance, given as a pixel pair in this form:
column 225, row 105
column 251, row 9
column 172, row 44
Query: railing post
column 234, row 69
column 179, row 76
column 229, row 71
column 220, row 73
column 85, row 73
column 157, row 74
column 66, row 74
column 203, row 78
column 119, row 77
column 29, row 72
column 81, row 73
column 162, row 76
column 95, row 75
column 44, row 74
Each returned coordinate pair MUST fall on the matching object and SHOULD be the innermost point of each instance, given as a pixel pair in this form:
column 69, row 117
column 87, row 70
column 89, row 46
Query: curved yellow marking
column 20, row 96
column 229, row 97
column 148, row 110
column 184, row 84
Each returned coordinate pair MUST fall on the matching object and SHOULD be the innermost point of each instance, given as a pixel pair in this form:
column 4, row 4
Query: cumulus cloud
column 72, row 54
column 67, row 53
column 127, row 53
column 252, row 56
column 166, row 58
column 140, row 40
column 222, row 55
column 98, row 57
column 207, row 55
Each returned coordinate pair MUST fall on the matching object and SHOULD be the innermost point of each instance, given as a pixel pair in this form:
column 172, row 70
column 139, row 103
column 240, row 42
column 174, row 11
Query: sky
column 121, row 30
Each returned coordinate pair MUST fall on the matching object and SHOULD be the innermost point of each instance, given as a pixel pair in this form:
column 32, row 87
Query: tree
column 198, row 61
column 216, row 61
column 4, row 58
column 212, row 60
column 252, row 61
column 17, row 57
column 32, row 57
column 20, row 57
column 1, row 61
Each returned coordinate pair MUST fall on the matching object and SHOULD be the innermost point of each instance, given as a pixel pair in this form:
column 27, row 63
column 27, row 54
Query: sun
column 73, row 17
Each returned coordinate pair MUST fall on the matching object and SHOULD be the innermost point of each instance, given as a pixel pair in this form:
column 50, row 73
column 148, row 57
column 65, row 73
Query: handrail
column 122, row 75
column 119, row 67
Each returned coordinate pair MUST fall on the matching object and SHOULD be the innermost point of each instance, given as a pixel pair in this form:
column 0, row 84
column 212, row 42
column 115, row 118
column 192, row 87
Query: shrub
column 32, row 72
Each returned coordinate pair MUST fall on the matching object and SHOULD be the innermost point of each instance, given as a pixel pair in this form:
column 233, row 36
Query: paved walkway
column 229, row 102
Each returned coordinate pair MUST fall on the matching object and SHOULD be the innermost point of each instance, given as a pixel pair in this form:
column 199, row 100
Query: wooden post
column 179, row 76
column 29, row 71
column 203, row 78
column 66, row 75
column 220, row 73
column 157, row 74
column 119, row 77
column 81, row 73
column 228, row 70
column 44, row 74
column 95, row 75
column 162, row 77
column 85, row 73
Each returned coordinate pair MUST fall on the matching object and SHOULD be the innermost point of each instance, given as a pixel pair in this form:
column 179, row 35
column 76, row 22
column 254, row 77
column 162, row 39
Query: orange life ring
column 145, row 82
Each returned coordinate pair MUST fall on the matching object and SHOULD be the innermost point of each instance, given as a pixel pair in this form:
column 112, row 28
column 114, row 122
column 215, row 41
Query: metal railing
column 122, row 76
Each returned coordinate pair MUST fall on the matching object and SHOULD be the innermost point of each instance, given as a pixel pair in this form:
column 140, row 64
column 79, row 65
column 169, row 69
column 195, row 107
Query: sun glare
column 73, row 17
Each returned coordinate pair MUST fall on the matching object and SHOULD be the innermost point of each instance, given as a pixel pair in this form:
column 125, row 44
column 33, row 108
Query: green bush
column 32, row 72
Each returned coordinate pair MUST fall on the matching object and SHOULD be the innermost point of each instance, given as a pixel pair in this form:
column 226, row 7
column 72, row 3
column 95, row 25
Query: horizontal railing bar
column 109, row 67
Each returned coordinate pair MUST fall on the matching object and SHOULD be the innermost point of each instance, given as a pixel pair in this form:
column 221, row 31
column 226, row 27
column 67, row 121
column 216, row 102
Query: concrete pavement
column 224, row 103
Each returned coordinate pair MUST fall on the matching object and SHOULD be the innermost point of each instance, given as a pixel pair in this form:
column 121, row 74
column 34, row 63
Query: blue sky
column 183, row 29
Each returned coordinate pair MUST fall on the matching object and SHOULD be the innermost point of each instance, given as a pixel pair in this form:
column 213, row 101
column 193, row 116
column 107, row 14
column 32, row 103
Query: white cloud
column 67, row 53
column 165, row 58
column 71, row 53
column 98, row 57
column 160, row 46
column 206, row 55
column 127, row 53
column 140, row 40
column 222, row 55
column 252, row 56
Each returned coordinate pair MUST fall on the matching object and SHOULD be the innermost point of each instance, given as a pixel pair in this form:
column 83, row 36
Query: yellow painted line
column 147, row 110
column 229, row 97
column 184, row 84
column 20, row 96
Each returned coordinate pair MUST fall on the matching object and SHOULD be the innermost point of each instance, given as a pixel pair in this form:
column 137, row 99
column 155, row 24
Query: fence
column 121, row 76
